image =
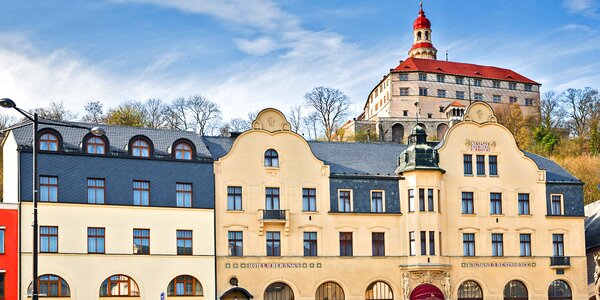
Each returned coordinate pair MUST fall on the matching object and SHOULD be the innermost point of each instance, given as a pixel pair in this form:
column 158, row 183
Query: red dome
column 421, row 21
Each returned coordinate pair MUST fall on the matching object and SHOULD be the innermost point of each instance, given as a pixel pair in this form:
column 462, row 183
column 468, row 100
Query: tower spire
column 422, row 45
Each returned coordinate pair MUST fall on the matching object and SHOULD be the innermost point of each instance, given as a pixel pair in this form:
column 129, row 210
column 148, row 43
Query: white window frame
column 562, row 205
column 351, row 199
column 382, row 200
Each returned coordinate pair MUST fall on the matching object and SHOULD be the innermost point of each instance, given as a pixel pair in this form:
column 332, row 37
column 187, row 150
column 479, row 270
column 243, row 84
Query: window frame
column 2, row 240
column 235, row 238
column 525, row 244
column 271, row 158
column 47, row 281
column 48, row 142
column 478, row 96
column 184, row 192
column 179, row 153
column 135, row 147
column 470, row 203
column 52, row 188
column 422, row 200
column 141, row 190
column 133, row 289
column 431, row 242
column 233, row 197
column 422, row 76
column 411, row 200
column 379, row 207
column 493, row 165
column 184, row 235
column 309, row 199
column 468, row 164
column 346, row 244
column 423, row 242
column 95, row 188
column 560, row 205
column 404, row 91
column 497, row 244
column 469, row 249
column 141, row 239
column 523, row 204
column 273, row 243
column 346, row 209
column 312, row 249
column 430, row 200
column 412, row 244
column 92, row 142
column 98, row 239
column 495, row 203
column 272, row 198
column 49, row 236
column 378, row 243
column 558, row 245
column 459, row 95
column 423, row 91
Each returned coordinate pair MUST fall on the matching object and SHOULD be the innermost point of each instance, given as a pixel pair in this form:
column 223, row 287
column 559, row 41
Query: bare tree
column 176, row 115
column 155, row 111
column 252, row 116
column 311, row 123
column 295, row 117
column 94, row 113
column 331, row 105
column 56, row 111
column 239, row 125
column 205, row 114
column 6, row 121
column 582, row 106
column 552, row 113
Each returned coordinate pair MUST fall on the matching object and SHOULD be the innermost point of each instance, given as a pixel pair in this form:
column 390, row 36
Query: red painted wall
column 9, row 260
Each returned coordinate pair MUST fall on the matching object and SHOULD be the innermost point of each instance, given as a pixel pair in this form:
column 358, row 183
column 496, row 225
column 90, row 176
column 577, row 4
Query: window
column 403, row 77
column 405, row 113
column 378, row 243
column 310, row 244
column 497, row 244
column 183, row 150
column 345, row 201
column 556, row 205
column 50, row 286
column 234, row 198
column 95, row 145
column 421, row 199
column 422, row 77
column 468, row 244
column 309, row 199
column 423, row 242
column 493, row 165
column 478, row 96
column 460, row 95
column 470, row 290
column 525, row 241
column 140, row 148
column 184, row 242
column 497, row 98
column 377, row 201
column 480, row 165
column 48, row 239
column 141, row 241
column 185, row 285
column 95, row 240
column 345, row 243
column 412, row 243
column 2, row 240
column 430, row 199
column 329, row 291
column 496, row 203
column 141, row 192
column 441, row 109
column 440, row 78
column 558, row 246
column 560, row 290
column 422, row 91
column 432, row 243
column 96, row 190
column 236, row 243
column 523, row 204
column 411, row 200
column 477, row 82
column 184, row 194
column 273, row 243
column 512, row 86
column 271, row 198
column 271, row 158
column 496, row 84
column 48, row 188
column 403, row 91
column 528, row 102
column 441, row 93
column 467, row 203
column 527, row 87
column 468, row 164
column 48, row 142
column 459, row 80
column 512, row 100
column 379, row 290
column 516, row 290
column 119, row 285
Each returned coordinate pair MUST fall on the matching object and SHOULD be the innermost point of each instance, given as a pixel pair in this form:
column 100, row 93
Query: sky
column 250, row 54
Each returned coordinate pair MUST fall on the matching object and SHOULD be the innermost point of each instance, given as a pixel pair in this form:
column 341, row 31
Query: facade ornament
column 447, row 286
column 406, row 286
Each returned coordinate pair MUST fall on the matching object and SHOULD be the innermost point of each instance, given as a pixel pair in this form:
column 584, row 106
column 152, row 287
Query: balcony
column 274, row 214
column 560, row 262
column 274, row 217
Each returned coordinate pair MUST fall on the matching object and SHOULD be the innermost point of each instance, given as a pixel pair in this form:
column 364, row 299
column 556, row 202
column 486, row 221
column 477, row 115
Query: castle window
column 478, row 96
column 418, row 36
column 426, row 35
column 441, row 109
column 460, row 95
column 528, row 87
column 429, row 115
column 459, row 80
column 496, row 84
column 403, row 77
column 441, row 78
column 512, row 86
column 422, row 77
column 422, row 91
column 403, row 91
column 497, row 98
column 512, row 100
column 421, row 199
column 432, row 243
column 271, row 158
column 441, row 93
column 405, row 113
column 528, row 102
column 477, row 82
column 430, row 200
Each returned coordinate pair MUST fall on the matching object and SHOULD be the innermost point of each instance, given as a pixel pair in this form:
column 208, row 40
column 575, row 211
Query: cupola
column 419, row 155
column 422, row 45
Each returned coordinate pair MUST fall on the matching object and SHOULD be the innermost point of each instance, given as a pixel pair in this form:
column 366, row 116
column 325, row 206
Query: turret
column 422, row 45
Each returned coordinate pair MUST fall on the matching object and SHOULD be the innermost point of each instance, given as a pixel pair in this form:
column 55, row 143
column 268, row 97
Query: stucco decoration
column 271, row 119
column 406, row 286
column 480, row 112
column 447, row 286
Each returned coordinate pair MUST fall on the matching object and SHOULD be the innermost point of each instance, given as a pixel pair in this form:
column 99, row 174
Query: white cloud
column 577, row 6
column 258, row 46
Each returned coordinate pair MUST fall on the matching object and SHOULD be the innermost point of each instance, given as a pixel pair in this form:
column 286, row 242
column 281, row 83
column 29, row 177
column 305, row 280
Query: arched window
column 119, row 285
column 470, row 290
column 279, row 291
column 48, row 142
column 51, row 286
column 379, row 290
column 559, row 290
column 515, row 290
column 185, row 285
column 271, row 158
column 426, row 35
column 183, row 150
column 329, row 291
column 418, row 36
column 140, row 148
column 95, row 145
column 397, row 133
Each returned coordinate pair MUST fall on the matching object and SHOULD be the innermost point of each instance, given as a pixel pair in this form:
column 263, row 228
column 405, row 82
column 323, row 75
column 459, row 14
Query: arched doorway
column 470, row 290
column 427, row 292
column 397, row 133
column 559, row 290
column 441, row 130
column 50, row 285
column 379, row 290
column 236, row 293
column 515, row 290
column 329, row 291
column 279, row 291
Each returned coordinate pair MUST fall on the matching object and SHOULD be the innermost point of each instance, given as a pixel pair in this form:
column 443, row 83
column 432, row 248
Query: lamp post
column 33, row 117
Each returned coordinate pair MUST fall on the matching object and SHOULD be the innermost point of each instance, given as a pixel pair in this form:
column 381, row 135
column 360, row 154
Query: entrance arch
column 329, row 291
column 278, row 291
column 379, row 290
column 236, row 293
column 397, row 133
column 427, row 291
column 515, row 290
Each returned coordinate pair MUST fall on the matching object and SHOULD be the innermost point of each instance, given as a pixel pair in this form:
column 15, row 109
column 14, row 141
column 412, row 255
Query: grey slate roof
column 592, row 225
column 554, row 172
column 118, row 137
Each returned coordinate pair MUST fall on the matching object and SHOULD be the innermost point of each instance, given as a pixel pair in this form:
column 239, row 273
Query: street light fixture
column 33, row 117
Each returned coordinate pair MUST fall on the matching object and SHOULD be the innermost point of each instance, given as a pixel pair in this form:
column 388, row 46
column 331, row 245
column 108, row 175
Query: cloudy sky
column 250, row 54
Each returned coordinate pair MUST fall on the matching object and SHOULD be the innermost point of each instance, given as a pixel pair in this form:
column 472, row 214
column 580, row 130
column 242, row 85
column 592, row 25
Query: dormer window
column 48, row 142
column 183, row 151
column 95, row 145
column 271, row 158
column 140, row 148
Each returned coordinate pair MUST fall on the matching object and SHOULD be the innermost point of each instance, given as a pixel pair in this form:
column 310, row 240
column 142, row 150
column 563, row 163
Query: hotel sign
column 480, row 146
column 498, row 265
column 273, row 266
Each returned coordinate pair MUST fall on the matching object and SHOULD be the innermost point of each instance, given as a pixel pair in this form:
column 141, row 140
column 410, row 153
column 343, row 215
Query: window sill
column 310, row 212
column 272, row 168
column 469, row 215
column 236, row 211
column 468, row 175
column 525, row 216
column 497, row 215
column 481, row 175
column 494, row 176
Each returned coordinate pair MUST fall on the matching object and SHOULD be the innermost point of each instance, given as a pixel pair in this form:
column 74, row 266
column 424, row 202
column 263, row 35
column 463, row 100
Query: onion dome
column 421, row 21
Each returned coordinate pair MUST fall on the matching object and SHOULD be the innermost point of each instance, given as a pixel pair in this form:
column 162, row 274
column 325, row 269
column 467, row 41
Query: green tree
column 127, row 114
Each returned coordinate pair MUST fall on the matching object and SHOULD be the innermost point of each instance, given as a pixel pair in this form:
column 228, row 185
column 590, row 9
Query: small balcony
column 273, row 217
column 274, row 214
column 560, row 262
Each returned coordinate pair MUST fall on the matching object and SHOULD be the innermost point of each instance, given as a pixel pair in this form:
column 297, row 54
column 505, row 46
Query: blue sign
column 162, row 296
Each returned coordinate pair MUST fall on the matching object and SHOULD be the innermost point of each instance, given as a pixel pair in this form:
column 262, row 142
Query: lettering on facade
column 480, row 146
column 498, row 265
column 273, row 266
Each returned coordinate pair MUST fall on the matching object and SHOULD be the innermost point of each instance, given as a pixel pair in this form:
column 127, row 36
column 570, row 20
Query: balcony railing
column 273, row 214
column 560, row 261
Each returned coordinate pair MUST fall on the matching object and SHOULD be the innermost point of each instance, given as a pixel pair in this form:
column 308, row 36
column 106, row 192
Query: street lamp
column 33, row 117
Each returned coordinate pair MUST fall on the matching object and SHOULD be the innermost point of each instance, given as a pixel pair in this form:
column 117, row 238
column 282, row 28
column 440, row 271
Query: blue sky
column 250, row 54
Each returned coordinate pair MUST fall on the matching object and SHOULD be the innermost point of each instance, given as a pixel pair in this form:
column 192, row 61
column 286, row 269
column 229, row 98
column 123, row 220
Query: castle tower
column 422, row 46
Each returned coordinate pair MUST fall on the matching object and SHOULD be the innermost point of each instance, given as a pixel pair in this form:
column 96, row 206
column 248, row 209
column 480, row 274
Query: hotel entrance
column 427, row 292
